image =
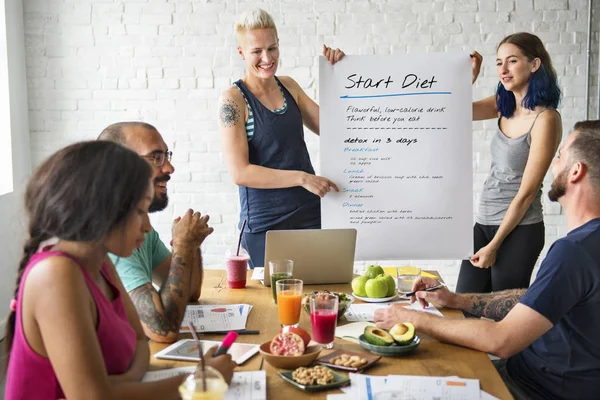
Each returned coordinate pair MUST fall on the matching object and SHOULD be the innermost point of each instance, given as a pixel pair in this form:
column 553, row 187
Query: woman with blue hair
column 509, row 229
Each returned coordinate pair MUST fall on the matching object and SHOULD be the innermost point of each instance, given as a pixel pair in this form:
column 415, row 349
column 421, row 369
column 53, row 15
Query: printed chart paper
column 215, row 318
column 396, row 138
column 364, row 387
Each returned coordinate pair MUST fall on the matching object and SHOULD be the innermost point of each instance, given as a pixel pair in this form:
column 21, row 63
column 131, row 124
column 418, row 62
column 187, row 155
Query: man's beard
column 559, row 186
column 160, row 201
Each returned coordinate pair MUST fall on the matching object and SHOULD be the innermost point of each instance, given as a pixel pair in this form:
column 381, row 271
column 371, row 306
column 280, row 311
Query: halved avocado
column 403, row 333
column 378, row 337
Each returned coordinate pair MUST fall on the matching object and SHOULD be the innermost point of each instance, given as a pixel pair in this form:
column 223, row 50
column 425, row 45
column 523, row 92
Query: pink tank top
column 30, row 376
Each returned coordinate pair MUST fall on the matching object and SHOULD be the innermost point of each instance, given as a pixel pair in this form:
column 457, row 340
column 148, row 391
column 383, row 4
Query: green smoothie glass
column 278, row 270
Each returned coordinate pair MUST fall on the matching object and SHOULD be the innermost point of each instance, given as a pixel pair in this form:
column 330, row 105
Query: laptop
column 320, row 255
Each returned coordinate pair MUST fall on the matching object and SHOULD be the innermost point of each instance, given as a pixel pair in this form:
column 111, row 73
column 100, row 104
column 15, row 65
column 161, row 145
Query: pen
column 429, row 289
column 227, row 342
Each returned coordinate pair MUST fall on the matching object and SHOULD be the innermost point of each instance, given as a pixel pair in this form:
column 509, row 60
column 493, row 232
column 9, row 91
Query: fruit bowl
column 290, row 362
column 345, row 301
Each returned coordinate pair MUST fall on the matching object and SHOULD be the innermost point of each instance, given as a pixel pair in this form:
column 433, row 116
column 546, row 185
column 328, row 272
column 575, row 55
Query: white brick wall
column 91, row 63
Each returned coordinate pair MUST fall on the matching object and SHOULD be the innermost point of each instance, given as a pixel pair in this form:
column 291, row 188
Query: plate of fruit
column 398, row 341
column 344, row 301
column 374, row 286
column 290, row 349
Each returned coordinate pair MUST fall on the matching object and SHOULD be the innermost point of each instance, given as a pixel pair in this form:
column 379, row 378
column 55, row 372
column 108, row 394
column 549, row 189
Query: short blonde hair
column 254, row 19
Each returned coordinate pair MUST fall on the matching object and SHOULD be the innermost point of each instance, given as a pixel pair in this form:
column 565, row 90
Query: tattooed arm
column 161, row 312
column 494, row 305
column 160, row 273
column 197, row 276
column 233, row 114
column 519, row 325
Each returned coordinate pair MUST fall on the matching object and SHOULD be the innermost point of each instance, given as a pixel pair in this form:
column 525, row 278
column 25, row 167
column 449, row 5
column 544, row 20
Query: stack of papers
column 216, row 318
column 365, row 387
column 366, row 312
column 250, row 385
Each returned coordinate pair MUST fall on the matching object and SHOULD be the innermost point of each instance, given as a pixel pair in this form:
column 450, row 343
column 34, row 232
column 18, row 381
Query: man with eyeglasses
column 178, row 274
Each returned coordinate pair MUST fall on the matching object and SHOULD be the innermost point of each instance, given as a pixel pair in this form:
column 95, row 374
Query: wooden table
column 431, row 358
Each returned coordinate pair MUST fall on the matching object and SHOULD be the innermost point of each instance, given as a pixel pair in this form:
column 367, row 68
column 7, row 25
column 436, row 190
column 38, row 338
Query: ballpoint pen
column 429, row 289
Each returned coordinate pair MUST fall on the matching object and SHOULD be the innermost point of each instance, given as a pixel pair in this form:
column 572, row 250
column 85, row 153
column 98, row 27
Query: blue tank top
column 278, row 143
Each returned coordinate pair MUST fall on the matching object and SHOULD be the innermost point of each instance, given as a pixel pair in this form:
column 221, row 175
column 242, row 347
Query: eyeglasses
column 158, row 157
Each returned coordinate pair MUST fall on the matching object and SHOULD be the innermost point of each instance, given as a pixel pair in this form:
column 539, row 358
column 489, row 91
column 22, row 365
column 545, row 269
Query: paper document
column 250, row 385
column 487, row 396
column 160, row 374
column 430, row 388
column 352, row 331
column 429, row 309
column 210, row 318
column 258, row 274
column 364, row 387
column 366, row 312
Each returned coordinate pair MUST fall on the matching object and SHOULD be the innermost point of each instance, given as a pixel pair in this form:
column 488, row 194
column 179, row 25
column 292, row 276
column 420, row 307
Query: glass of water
column 406, row 277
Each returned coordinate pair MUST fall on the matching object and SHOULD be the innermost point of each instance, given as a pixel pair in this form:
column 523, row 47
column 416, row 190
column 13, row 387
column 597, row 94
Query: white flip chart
column 396, row 137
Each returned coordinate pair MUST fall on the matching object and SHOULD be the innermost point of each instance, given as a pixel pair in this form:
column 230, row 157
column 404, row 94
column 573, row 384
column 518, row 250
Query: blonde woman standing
column 261, row 121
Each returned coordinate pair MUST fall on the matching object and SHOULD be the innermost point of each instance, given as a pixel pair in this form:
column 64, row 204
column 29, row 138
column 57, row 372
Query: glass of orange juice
column 289, row 301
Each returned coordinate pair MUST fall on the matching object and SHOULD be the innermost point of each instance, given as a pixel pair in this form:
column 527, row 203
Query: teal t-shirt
column 136, row 270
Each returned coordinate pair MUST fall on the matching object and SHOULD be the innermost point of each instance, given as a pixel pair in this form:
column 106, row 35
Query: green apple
column 376, row 287
column 391, row 284
column 358, row 285
column 372, row 271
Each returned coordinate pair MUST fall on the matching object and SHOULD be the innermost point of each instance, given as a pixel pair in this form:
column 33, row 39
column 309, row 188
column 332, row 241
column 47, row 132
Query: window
column 6, row 165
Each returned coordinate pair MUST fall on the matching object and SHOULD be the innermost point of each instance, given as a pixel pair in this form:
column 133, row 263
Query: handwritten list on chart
column 396, row 137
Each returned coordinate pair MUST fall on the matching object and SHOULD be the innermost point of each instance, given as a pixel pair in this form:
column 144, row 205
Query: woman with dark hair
column 72, row 331
column 509, row 229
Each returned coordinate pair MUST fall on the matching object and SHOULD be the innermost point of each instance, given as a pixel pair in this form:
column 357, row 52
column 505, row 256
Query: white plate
column 373, row 299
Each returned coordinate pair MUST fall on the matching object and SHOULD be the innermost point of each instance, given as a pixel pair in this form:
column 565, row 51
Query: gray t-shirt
column 509, row 157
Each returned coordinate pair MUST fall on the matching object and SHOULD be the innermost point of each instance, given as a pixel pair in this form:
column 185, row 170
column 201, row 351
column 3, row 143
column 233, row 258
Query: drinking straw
column 202, row 366
column 237, row 253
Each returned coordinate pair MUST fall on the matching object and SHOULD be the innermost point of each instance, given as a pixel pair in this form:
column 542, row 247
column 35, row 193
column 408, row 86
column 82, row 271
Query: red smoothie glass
column 237, row 268
column 323, row 318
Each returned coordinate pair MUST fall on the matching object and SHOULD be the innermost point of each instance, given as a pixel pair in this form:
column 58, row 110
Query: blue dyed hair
column 543, row 86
